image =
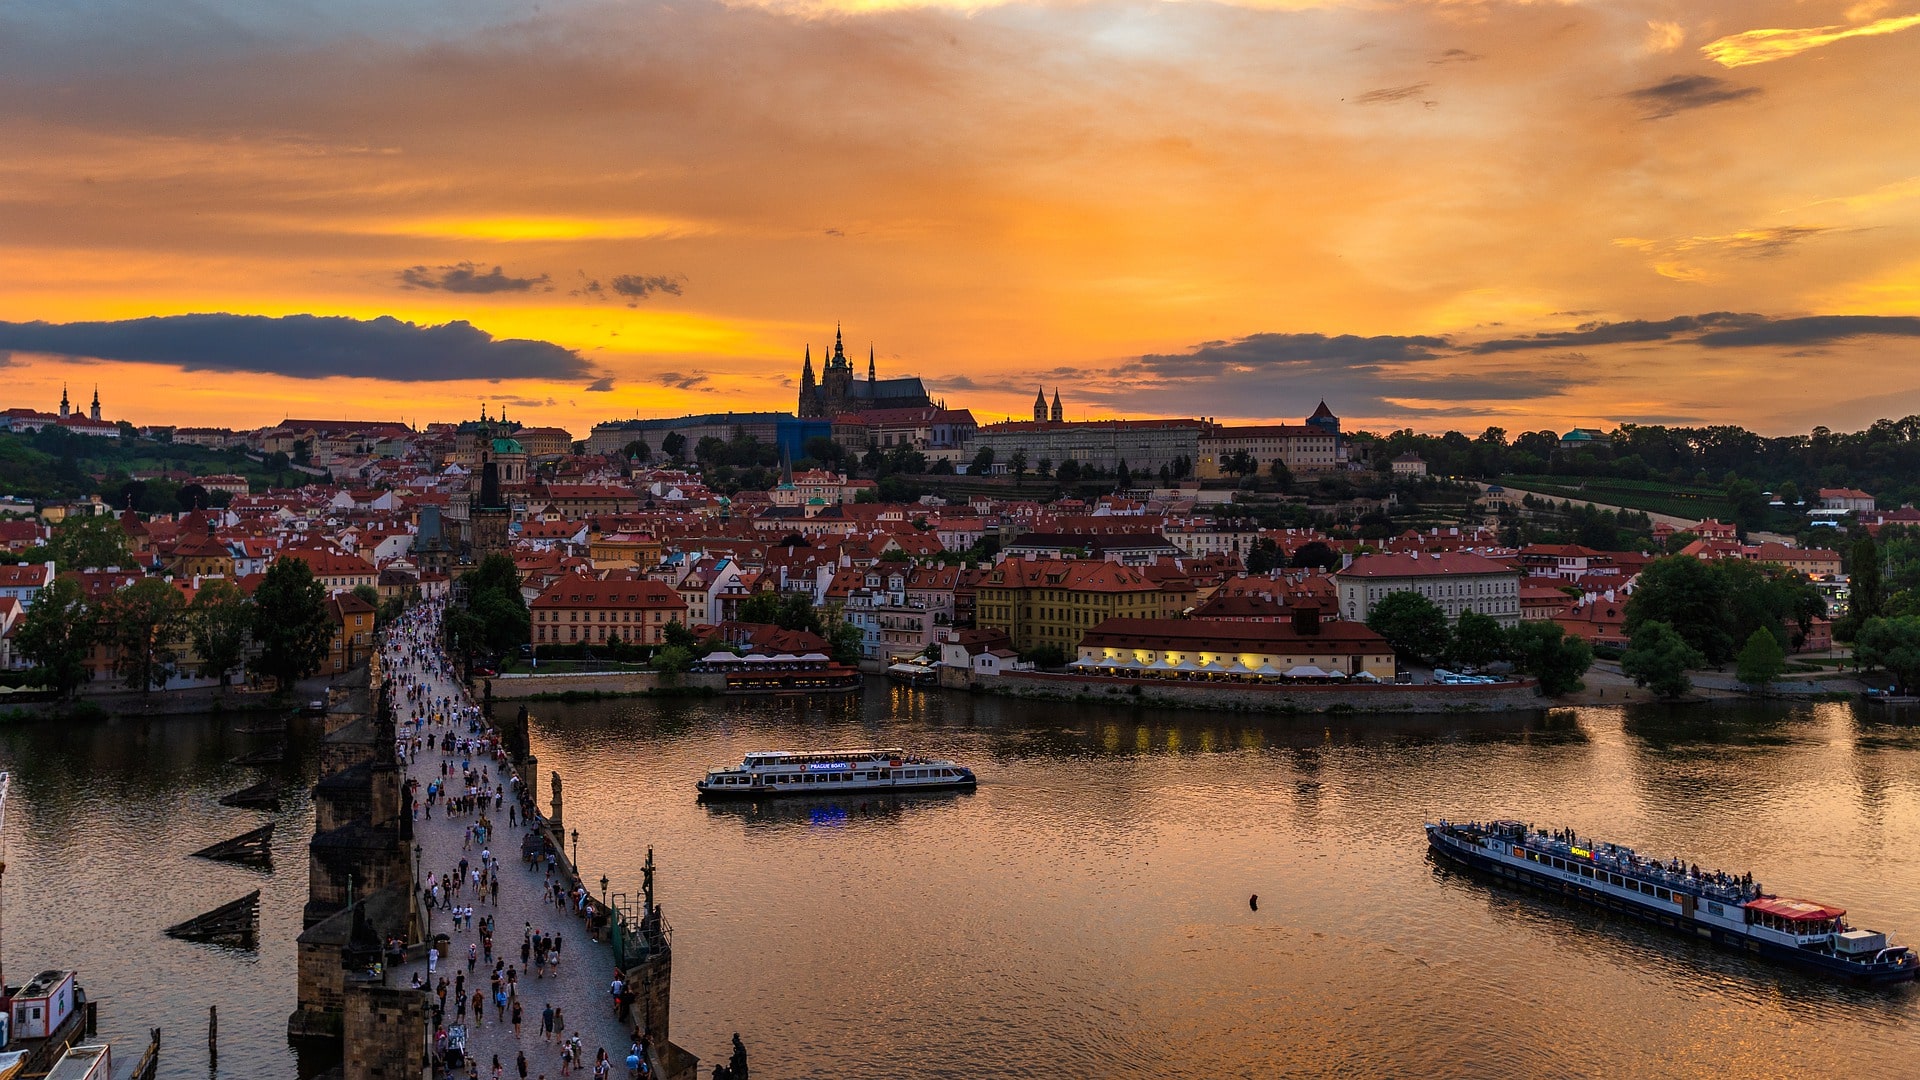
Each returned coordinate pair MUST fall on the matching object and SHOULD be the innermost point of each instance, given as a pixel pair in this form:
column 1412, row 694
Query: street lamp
column 417, row 852
column 576, row 851
column 603, row 890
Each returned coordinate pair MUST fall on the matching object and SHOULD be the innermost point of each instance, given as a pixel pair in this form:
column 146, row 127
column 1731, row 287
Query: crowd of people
column 469, row 777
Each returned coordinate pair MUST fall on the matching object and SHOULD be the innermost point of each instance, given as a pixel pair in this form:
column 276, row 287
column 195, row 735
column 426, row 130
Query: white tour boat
column 831, row 772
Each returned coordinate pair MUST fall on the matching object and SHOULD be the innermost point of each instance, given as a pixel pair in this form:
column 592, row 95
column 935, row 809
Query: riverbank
column 1372, row 698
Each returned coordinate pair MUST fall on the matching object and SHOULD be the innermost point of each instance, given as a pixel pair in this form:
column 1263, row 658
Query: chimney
column 1306, row 618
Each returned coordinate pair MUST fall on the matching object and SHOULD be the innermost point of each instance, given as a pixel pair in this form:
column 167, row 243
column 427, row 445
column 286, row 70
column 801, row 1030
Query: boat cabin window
column 1663, row 894
column 1559, row 864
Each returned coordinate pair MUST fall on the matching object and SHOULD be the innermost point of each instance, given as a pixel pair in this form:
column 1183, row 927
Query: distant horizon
column 1436, row 215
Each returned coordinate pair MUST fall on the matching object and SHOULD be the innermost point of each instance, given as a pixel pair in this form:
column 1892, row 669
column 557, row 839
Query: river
column 1085, row 912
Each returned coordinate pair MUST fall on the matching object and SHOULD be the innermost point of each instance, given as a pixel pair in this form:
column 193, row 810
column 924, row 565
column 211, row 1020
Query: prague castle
column 839, row 393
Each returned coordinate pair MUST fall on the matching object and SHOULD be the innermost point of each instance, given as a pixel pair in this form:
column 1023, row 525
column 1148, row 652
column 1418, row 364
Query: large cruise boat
column 1726, row 909
column 831, row 772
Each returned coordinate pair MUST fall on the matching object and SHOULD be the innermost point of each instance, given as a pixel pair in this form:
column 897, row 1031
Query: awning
column 1305, row 671
column 1781, row 907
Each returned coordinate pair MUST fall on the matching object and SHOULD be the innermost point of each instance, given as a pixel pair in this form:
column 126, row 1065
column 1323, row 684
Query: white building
column 1456, row 581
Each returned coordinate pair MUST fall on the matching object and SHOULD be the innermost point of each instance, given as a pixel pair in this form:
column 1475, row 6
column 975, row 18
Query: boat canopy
column 1781, row 907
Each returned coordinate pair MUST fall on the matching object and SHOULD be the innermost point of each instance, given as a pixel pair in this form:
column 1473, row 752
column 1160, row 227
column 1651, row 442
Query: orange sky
column 1161, row 208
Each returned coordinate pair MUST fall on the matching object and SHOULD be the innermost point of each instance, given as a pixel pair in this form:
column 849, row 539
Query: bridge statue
column 555, row 816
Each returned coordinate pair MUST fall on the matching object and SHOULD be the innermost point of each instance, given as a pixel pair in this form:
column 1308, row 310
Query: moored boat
column 771, row 773
column 1727, row 909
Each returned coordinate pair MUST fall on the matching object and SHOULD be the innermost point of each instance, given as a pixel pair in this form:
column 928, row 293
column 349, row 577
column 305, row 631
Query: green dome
column 508, row 446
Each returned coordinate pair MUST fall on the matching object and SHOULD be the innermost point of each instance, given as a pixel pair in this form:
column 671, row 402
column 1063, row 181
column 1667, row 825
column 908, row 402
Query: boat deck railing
column 1712, row 884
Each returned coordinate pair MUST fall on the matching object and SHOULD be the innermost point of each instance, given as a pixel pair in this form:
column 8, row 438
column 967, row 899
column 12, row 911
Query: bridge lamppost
column 603, row 890
column 417, row 852
column 576, row 851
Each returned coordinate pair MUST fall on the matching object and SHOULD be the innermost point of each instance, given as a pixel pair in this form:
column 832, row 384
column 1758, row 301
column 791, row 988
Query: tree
column 1691, row 598
column 982, row 462
column 673, row 659
column 1864, row 590
column 1477, row 639
column 1068, row 472
column 192, row 497
column 1549, row 654
column 142, row 622
column 492, row 597
column 637, row 450
column 1282, row 476
column 677, row 634
column 1044, row 468
column 56, row 634
column 217, row 624
column 674, row 445
column 1314, row 553
column 1122, row 476
column 1890, row 643
column 1017, row 464
column 368, row 593
column 1263, row 556
column 290, row 623
column 86, row 542
column 1414, row 625
column 846, row 641
column 1659, row 658
column 1762, row 660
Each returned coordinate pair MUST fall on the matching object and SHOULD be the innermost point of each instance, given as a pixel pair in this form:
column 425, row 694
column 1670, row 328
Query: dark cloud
column 1683, row 92
column 303, row 347
column 520, row 402
column 1764, row 243
column 465, row 277
column 682, row 381
column 601, row 385
column 835, row 233
column 1268, row 351
column 1390, row 95
column 1637, row 330
column 589, row 288
column 1286, row 374
column 641, row 286
column 1814, row 330
column 1455, row 56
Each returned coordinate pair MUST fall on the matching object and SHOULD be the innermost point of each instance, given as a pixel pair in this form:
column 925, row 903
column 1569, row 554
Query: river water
column 1085, row 912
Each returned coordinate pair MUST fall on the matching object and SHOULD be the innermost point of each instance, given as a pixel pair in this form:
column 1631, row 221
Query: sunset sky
column 1432, row 214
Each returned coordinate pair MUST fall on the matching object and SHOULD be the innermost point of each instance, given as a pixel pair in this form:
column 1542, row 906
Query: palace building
column 838, row 392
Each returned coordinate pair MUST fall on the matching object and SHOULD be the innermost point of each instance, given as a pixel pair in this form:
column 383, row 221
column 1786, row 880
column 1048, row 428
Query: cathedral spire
column 869, row 362
column 1040, row 404
column 839, row 353
column 1058, row 413
column 96, row 401
column 64, row 407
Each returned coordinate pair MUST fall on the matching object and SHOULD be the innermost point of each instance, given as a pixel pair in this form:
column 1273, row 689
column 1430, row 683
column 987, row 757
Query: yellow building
column 623, row 551
column 1056, row 601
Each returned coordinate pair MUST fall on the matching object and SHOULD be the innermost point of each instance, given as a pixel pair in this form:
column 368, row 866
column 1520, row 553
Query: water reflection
column 814, row 811
column 1094, row 888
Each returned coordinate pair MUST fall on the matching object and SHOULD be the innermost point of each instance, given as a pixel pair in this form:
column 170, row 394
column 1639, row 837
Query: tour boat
column 831, row 772
column 1723, row 908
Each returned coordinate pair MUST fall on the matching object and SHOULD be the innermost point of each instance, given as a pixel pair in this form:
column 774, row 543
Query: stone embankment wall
column 513, row 687
column 1386, row 698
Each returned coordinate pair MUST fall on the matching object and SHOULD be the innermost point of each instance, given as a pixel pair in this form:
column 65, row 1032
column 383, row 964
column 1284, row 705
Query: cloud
column 1266, row 352
column 641, row 286
column 1682, row 92
column 302, row 347
column 1635, row 330
column 1390, row 95
column 1814, row 330
column 679, row 381
column 1276, row 374
column 465, row 277
column 602, row 385
column 1762, row 46
column 1663, row 37
column 1456, row 56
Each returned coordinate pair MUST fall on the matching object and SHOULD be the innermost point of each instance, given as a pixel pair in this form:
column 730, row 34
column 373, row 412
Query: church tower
column 809, row 394
column 1058, row 415
column 870, row 372
column 65, row 409
column 836, row 379
column 96, row 404
column 1040, row 404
